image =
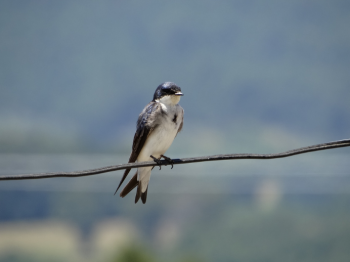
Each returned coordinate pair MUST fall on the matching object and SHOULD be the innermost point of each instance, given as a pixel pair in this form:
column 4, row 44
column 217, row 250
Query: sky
column 256, row 76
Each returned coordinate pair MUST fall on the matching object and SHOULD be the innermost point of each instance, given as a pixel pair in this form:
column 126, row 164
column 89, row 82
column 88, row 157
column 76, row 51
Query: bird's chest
column 171, row 118
column 167, row 128
column 163, row 135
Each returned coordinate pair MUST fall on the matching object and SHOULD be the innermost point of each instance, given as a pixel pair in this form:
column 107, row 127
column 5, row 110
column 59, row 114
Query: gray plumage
column 157, row 126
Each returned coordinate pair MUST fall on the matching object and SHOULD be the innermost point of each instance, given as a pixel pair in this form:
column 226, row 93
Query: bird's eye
column 167, row 91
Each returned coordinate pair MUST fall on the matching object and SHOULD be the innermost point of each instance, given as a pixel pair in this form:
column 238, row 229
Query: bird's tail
column 140, row 194
column 131, row 185
column 123, row 178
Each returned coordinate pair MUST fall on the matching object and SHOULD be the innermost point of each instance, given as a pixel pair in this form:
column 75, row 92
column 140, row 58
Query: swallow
column 157, row 126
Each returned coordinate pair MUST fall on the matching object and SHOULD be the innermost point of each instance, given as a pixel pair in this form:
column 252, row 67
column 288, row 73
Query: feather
column 144, row 129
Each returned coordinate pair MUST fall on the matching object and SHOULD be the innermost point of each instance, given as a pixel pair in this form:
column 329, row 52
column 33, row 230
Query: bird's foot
column 169, row 160
column 158, row 161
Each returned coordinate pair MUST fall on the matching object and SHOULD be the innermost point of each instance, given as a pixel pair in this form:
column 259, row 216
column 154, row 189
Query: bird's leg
column 158, row 161
column 170, row 161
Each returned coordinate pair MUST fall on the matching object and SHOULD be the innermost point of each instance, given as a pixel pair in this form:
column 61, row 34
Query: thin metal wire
column 90, row 172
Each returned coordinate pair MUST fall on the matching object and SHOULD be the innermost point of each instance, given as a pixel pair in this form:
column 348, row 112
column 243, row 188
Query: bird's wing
column 182, row 122
column 145, row 125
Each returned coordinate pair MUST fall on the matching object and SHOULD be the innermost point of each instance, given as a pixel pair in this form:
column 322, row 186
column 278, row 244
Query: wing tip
column 130, row 186
column 123, row 178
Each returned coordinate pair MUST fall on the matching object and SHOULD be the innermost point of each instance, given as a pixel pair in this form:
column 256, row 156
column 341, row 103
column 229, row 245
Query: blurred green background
column 258, row 77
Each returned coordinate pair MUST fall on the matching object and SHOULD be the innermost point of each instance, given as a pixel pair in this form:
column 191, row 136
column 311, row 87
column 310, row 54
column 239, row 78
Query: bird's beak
column 179, row 94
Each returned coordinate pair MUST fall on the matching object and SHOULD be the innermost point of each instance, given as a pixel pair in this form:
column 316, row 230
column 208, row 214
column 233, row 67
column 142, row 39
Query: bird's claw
column 169, row 160
column 158, row 161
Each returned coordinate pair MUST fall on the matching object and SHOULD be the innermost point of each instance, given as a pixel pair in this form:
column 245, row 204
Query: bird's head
column 168, row 93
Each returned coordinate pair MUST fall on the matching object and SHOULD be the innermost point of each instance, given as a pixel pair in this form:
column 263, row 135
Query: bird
column 157, row 126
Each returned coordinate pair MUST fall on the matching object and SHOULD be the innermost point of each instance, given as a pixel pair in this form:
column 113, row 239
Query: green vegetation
column 133, row 254
column 200, row 227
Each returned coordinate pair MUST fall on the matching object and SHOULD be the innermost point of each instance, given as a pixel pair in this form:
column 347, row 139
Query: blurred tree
column 133, row 254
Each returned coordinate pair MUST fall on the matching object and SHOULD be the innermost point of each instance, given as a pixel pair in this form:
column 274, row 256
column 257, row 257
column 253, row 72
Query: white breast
column 163, row 136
